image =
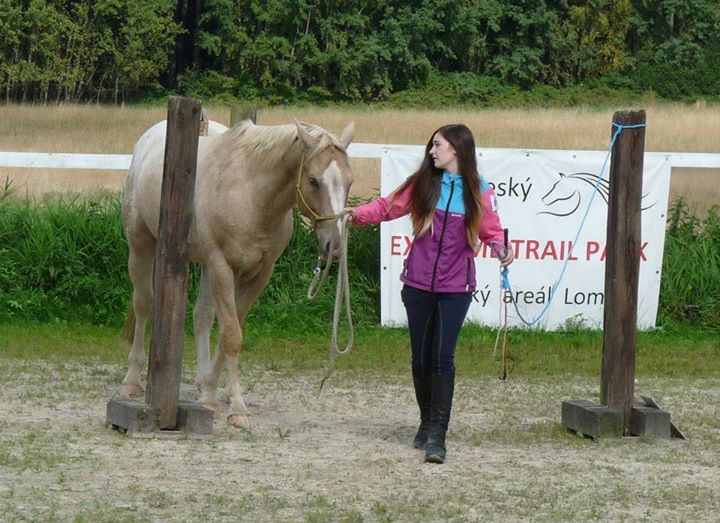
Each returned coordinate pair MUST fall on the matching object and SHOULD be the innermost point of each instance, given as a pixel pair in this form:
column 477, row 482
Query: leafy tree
column 475, row 51
column 83, row 49
column 524, row 38
column 593, row 35
column 674, row 45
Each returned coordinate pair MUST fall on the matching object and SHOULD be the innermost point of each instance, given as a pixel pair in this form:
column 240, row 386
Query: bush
column 62, row 259
column 468, row 89
column 690, row 287
column 66, row 260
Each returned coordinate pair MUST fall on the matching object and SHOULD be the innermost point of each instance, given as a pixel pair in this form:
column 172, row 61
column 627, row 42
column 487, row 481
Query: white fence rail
column 356, row 150
column 65, row 161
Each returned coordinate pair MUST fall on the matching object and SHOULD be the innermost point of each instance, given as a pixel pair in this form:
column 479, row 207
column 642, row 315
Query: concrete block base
column 592, row 420
column 650, row 422
column 647, row 419
column 136, row 417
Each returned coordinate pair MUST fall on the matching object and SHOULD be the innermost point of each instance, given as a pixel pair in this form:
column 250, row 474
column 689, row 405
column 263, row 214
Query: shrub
column 66, row 259
column 690, row 287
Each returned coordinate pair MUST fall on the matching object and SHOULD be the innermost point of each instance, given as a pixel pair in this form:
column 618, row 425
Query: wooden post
column 622, row 266
column 171, row 260
column 618, row 414
column 239, row 113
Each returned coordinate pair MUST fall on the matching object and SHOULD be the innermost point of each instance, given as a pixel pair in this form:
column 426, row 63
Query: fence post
column 622, row 265
column 171, row 259
column 618, row 413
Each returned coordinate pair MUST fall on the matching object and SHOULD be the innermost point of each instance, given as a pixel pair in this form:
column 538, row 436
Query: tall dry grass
column 103, row 129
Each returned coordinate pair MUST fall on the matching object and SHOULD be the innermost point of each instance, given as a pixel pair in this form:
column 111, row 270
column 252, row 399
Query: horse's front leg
column 245, row 295
column 221, row 280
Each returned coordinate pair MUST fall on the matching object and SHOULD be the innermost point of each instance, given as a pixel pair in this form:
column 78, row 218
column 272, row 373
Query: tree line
column 285, row 51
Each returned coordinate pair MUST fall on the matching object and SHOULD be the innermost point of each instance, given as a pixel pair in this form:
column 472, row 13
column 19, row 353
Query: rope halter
column 299, row 197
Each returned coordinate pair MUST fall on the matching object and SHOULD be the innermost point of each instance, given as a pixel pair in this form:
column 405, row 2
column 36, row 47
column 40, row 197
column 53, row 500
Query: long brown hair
column 426, row 183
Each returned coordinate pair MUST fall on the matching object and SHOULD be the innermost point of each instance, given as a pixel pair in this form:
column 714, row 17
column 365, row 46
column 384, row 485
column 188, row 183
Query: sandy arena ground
column 347, row 456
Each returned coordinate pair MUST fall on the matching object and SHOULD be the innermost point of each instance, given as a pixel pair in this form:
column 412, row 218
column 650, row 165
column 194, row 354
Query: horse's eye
column 315, row 184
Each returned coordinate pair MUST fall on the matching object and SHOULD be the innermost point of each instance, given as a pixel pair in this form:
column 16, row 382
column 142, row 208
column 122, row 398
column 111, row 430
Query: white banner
column 543, row 198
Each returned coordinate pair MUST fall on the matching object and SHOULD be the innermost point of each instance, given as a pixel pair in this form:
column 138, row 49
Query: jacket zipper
column 442, row 235
column 467, row 274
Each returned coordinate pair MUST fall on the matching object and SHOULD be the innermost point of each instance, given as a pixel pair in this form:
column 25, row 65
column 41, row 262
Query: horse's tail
column 129, row 330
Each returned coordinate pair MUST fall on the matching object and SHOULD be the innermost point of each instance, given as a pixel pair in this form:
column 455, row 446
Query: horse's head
column 566, row 194
column 551, row 196
column 324, row 182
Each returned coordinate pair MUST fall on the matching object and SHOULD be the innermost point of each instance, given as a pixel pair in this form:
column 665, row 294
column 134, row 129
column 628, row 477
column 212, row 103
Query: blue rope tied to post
column 504, row 273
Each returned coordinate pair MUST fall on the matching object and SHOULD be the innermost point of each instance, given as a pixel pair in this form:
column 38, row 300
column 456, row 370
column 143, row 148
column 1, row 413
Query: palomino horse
column 248, row 179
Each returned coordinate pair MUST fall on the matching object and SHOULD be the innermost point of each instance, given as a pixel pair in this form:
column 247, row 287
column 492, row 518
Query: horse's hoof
column 128, row 390
column 238, row 421
column 212, row 405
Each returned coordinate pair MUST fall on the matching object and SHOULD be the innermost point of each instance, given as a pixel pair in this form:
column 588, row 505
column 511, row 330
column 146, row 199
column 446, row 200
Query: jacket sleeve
column 385, row 208
column 491, row 230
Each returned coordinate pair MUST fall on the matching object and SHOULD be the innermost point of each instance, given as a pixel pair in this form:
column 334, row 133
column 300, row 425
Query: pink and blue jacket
column 441, row 260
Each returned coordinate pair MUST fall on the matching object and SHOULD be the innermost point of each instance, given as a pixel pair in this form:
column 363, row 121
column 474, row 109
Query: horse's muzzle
column 335, row 254
column 329, row 241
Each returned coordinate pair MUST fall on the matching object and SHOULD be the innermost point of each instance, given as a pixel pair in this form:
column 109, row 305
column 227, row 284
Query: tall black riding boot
column 440, row 407
column 422, row 395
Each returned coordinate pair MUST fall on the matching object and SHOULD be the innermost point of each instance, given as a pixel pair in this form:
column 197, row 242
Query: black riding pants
column 434, row 320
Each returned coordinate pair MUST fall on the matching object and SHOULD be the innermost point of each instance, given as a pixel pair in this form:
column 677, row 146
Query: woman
column 452, row 209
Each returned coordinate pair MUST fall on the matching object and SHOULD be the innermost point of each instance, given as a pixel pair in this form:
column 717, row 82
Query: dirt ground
column 347, row 455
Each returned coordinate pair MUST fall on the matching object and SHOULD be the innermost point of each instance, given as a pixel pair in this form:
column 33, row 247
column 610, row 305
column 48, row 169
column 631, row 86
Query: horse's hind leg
column 203, row 317
column 140, row 268
column 221, row 281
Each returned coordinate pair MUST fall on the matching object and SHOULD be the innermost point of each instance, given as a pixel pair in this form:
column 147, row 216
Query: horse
column 248, row 180
column 565, row 196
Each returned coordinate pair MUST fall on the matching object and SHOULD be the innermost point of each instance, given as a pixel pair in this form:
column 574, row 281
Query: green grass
column 682, row 352
column 62, row 259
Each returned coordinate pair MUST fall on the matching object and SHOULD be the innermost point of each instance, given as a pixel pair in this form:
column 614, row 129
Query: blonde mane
column 269, row 144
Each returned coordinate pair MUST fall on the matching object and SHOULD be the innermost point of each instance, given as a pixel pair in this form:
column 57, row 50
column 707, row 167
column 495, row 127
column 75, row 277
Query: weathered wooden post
column 618, row 415
column 622, row 266
column 162, row 409
column 171, row 258
column 238, row 113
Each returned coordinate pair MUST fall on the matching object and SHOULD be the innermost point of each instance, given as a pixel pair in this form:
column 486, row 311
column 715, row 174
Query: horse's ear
column 347, row 135
column 305, row 135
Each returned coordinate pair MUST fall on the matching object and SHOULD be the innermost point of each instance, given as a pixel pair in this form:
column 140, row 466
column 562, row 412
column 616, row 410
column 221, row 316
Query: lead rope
column 504, row 288
column 505, row 284
column 319, row 274
column 343, row 283
column 342, row 294
column 556, row 285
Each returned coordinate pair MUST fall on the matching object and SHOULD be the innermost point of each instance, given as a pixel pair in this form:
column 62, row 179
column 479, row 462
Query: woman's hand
column 508, row 258
column 351, row 214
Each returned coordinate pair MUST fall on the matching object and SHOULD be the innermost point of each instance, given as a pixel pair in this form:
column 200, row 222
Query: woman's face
column 443, row 154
